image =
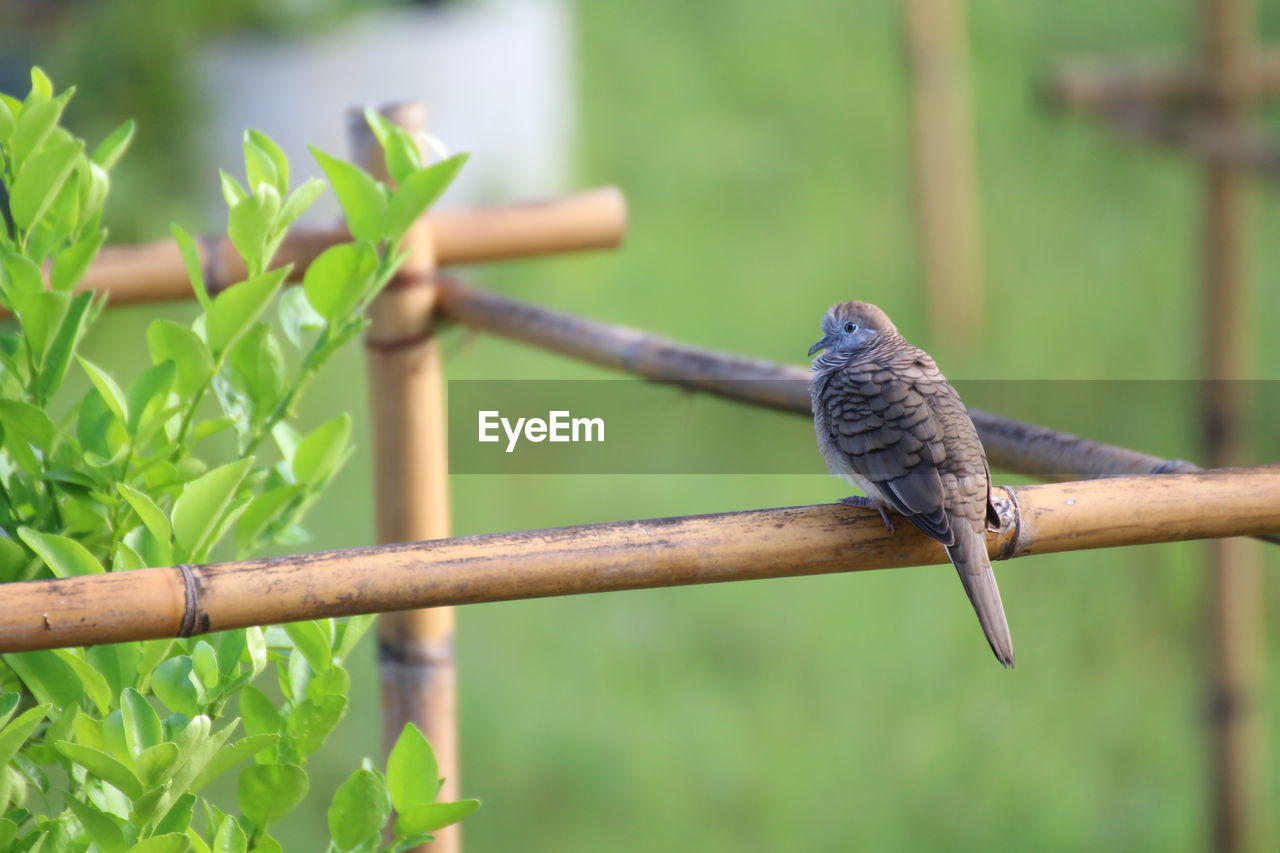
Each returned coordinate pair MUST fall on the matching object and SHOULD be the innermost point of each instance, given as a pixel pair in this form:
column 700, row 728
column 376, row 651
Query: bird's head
column 850, row 326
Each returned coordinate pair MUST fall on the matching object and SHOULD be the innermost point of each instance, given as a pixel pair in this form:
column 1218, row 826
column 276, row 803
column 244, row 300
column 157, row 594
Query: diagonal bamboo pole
column 411, row 477
column 1090, row 84
column 1234, row 575
column 735, row 546
column 1010, row 444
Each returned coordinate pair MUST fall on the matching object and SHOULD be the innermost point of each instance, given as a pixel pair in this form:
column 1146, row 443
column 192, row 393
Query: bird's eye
column 850, row 327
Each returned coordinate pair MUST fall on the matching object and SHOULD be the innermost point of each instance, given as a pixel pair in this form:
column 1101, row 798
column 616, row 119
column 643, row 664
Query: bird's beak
column 822, row 344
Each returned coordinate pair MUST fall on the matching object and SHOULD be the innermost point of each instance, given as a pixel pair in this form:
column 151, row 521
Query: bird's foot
column 867, row 503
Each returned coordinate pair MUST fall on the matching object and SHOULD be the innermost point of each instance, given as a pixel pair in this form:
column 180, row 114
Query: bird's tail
column 969, row 555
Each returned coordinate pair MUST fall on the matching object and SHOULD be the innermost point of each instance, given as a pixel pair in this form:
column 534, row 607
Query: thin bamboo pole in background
column 416, row 661
column 947, row 210
column 1089, row 84
column 1234, row 575
column 592, row 219
column 735, row 546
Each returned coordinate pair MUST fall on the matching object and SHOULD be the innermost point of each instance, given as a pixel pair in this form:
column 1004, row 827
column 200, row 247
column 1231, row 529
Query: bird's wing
column 879, row 417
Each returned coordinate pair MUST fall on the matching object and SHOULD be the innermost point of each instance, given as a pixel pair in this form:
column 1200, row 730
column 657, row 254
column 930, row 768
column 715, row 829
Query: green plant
column 107, row 748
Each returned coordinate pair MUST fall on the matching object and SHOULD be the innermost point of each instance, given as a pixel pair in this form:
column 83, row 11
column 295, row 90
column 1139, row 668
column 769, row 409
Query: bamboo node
column 193, row 620
column 1005, row 502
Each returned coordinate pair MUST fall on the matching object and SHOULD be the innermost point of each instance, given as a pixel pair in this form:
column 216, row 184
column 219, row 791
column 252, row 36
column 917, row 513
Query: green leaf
column 16, row 733
column 310, row 639
column 172, row 684
column 232, row 192
column 148, row 396
column 142, row 729
column 279, row 164
column 297, row 317
column 204, row 660
column 34, row 126
column 169, row 341
column 118, row 664
column 267, row 792
column 41, row 178
column 191, row 260
column 103, row 766
column 65, row 556
column 399, row 150
column 41, row 85
column 249, row 225
column 322, row 451
column 259, row 713
column 350, row 630
column 178, row 818
column 363, row 200
column 338, row 279
column 58, row 358
column 230, row 838
column 70, row 264
column 8, row 704
column 359, row 810
column 298, row 201
column 151, row 653
column 203, row 504
column 94, row 683
column 236, row 308
column 155, row 763
column 41, row 314
column 412, row 774
column 107, row 387
column 231, row 646
column 6, row 121
column 111, row 149
column 262, row 511
column 150, row 514
column 420, row 190
column 104, row 829
column 231, row 755
column 27, row 422
column 173, row 842
column 311, row 721
column 432, row 816
column 20, row 275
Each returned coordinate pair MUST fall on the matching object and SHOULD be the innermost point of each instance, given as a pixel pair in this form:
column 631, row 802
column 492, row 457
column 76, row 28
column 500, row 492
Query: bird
column 888, row 422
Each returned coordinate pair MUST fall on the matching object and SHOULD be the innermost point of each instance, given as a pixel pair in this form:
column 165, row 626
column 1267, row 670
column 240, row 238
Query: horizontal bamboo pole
column 736, row 546
column 1241, row 145
column 1088, row 84
column 593, row 219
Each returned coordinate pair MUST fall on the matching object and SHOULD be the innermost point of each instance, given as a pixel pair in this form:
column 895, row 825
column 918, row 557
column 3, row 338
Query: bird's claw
column 867, row 503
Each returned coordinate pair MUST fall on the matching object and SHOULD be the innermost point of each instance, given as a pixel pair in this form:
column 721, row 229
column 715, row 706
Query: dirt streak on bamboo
column 411, row 478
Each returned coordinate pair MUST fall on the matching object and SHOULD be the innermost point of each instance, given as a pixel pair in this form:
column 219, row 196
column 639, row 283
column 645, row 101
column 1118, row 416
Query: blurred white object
column 497, row 78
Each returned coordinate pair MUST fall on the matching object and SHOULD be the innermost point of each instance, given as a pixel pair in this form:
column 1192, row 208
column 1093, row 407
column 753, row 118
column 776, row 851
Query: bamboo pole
column 1242, row 145
column 1235, row 581
column 661, row 552
column 1089, row 85
column 947, row 209
column 1010, row 444
column 411, row 478
column 592, row 219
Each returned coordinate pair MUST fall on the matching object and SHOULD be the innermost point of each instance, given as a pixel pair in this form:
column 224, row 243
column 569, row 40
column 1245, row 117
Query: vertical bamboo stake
column 407, row 393
column 1235, row 582
column 946, row 188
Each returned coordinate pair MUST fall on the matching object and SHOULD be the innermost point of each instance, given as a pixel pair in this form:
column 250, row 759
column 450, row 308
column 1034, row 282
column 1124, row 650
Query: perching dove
column 890, row 423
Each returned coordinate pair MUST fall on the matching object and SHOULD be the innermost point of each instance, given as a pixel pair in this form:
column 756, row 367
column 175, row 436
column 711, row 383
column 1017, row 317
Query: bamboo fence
column 1204, row 107
column 660, row 552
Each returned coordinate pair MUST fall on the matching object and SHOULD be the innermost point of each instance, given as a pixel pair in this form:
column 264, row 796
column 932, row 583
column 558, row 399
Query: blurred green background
column 763, row 150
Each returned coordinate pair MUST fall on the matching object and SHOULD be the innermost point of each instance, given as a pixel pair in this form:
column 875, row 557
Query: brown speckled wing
column 878, row 414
